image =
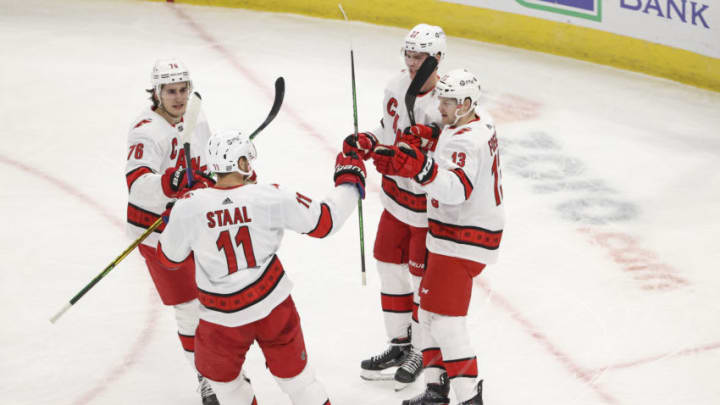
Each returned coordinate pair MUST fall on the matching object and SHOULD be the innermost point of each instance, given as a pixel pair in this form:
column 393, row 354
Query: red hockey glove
column 384, row 159
column 201, row 180
column 428, row 135
column 175, row 182
column 405, row 161
column 350, row 170
column 363, row 144
column 410, row 139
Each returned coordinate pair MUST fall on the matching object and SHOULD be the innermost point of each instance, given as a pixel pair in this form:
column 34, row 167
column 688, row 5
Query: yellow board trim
column 509, row 29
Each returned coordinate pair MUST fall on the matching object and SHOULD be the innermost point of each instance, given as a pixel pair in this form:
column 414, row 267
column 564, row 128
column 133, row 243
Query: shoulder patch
column 141, row 123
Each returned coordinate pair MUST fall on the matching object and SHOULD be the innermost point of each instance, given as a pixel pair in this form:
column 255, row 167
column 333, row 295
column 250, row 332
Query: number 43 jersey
column 233, row 235
column 466, row 214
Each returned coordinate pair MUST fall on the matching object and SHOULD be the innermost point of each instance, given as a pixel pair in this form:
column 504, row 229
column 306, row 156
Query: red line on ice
column 650, row 359
column 147, row 332
column 582, row 374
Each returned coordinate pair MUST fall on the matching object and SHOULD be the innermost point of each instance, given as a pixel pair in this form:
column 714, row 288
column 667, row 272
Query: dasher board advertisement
column 692, row 25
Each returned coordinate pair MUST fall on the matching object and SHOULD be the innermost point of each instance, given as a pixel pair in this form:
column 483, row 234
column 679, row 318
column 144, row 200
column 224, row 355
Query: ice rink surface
column 607, row 286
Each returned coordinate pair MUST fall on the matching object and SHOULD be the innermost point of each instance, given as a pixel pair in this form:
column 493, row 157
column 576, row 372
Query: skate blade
column 376, row 375
column 399, row 386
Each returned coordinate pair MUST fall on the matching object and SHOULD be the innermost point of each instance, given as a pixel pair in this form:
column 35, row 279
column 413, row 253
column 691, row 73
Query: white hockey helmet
column 426, row 38
column 225, row 148
column 460, row 84
column 168, row 71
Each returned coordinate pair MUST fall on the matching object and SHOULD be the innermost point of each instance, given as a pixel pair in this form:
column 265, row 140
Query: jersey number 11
column 242, row 237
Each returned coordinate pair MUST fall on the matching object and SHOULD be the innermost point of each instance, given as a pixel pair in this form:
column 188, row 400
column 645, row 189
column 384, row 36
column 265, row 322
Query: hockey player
column 466, row 217
column 400, row 240
column 233, row 231
column 156, row 174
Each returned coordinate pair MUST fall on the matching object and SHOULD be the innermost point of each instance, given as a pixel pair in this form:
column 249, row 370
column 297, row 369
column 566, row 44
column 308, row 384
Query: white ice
column 607, row 288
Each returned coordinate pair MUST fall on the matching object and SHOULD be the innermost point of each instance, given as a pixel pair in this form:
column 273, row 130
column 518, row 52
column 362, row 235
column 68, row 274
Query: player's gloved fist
column 175, row 181
column 426, row 134
column 350, row 170
column 201, row 180
column 392, row 160
column 405, row 161
column 363, row 144
column 384, row 159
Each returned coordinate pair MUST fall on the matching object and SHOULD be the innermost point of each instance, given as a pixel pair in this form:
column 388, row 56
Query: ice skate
column 376, row 367
column 435, row 393
column 206, row 392
column 409, row 370
column 477, row 399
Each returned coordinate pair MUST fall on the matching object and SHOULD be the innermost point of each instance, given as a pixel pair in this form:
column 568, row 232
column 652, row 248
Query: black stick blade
column 279, row 96
column 426, row 69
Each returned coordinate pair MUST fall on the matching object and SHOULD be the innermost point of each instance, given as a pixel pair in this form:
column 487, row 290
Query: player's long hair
column 153, row 98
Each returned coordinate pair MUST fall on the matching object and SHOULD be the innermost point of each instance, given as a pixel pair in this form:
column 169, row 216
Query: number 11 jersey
column 233, row 235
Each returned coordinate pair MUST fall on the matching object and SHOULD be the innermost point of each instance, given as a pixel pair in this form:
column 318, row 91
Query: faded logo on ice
column 590, row 203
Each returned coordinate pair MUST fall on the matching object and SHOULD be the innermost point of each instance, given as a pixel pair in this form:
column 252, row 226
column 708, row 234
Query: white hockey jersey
column 466, row 215
column 402, row 197
column 234, row 234
column 153, row 146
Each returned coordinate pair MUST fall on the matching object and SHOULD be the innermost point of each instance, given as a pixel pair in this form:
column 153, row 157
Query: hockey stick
column 355, row 123
column 279, row 96
column 189, row 121
column 107, row 269
column 426, row 70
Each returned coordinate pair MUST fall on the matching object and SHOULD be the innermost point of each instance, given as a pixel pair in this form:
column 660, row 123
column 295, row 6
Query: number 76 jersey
column 466, row 214
column 233, row 235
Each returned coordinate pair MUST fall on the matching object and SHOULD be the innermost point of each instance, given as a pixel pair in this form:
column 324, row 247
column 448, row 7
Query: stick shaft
column 355, row 126
column 107, row 269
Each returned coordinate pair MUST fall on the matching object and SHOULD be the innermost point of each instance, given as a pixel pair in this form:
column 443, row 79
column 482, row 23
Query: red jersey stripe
column 466, row 235
column 325, row 223
column 143, row 218
column 135, row 174
column 413, row 202
column 250, row 295
column 467, row 185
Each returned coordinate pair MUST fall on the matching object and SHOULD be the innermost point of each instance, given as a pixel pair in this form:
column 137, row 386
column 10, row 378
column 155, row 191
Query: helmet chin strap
column 250, row 170
column 457, row 117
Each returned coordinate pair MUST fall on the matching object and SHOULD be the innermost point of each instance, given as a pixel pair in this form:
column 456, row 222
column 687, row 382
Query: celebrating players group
column 214, row 260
